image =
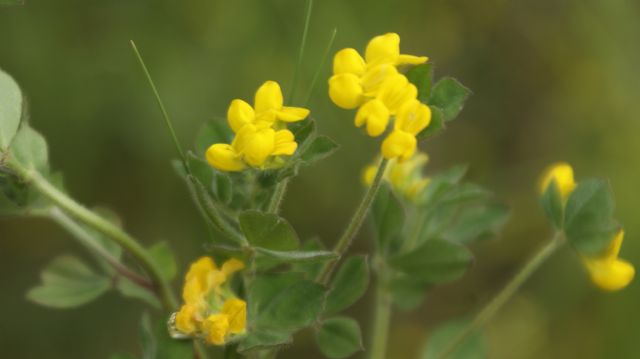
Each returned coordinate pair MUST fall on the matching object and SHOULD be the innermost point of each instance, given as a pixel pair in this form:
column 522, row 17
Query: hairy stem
column 358, row 218
column 381, row 315
column 505, row 294
column 278, row 196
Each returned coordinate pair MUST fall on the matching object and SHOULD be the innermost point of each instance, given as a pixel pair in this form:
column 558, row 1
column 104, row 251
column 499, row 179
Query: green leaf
column 319, row 148
column 408, row 293
column 263, row 339
column 310, row 269
column 162, row 256
column 295, row 307
column 213, row 131
column 66, row 283
column 551, row 202
column 10, row 107
column 476, row 222
column 268, row 230
column 436, row 126
column 339, row 337
column 200, row 170
column 436, row 261
column 223, row 188
column 349, row 284
column 296, row 256
column 132, row 290
column 303, row 131
column 472, row 347
column 387, row 215
column 422, row 77
column 29, row 149
column 589, row 223
column 449, row 95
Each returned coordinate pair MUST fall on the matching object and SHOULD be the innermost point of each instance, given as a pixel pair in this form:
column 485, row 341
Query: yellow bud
column 348, row 61
column 268, row 97
column 400, row 145
column 562, row 173
column 413, row 117
column 375, row 114
column 236, row 311
column 224, row 157
column 186, row 319
column 216, row 327
column 346, row 91
column 607, row 271
column 239, row 114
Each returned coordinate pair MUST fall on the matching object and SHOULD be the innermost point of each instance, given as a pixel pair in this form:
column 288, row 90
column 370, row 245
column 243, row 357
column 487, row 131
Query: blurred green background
column 552, row 80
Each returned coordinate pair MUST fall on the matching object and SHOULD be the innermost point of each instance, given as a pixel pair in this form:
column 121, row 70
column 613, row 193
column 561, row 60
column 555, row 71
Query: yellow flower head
column 399, row 145
column 607, row 271
column 562, row 174
column 406, row 177
column 211, row 310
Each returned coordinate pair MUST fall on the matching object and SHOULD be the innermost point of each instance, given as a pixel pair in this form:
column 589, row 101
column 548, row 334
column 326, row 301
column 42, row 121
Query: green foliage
column 408, row 292
column 264, row 339
column 10, row 106
column 350, row 283
column 422, row 77
column 387, row 215
column 477, row 222
column 67, row 282
column 268, row 230
column 449, row 95
column 129, row 289
column 589, row 222
column 212, row 132
column 319, row 148
column 162, row 256
column 552, row 205
column 472, row 347
column 339, row 337
column 29, row 149
column 436, row 261
column 296, row 256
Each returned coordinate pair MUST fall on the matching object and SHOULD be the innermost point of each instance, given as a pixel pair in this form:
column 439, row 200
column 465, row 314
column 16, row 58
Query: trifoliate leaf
column 449, row 95
column 339, row 337
column 268, row 230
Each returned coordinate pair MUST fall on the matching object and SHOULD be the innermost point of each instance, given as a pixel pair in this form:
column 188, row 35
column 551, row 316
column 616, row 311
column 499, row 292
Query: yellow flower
column 399, row 144
column 269, row 107
column 413, row 117
column 236, row 311
column 404, row 177
column 375, row 114
column 562, row 174
column 186, row 320
column 607, row 271
column 216, row 326
column 386, row 49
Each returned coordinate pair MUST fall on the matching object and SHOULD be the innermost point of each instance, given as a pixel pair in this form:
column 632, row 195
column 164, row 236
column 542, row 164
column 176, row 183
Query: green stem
column 319, row 70
column 505, row 294
column 358, row 218
column 89, row 218
column 381, row 316
column 165, row 114
column 277, row 196
column 200, row 349
column 89, row 241
column 303, row 44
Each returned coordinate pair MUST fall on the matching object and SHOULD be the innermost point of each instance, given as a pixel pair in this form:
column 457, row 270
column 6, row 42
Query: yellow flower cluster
column 405, row 177
column 260, row 132
column 210, row 309
column 374, row 85
column 606, row 270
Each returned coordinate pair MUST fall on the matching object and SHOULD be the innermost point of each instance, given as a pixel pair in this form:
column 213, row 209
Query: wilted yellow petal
column 383, row 49
column 413, row 117
column 239, row 114
column 348, row 61
column 375, row 114
column 345, row 91
column 224, row 157
column 216, row 327
column 236, row 311
column 400, row 145
column 562, row 173
column 268, row 97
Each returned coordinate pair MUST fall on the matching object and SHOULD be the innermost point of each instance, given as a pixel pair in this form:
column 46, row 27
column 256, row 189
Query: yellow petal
column 383, row 49
column 224, row 157
column 186, row 319
column 562, row 173
column 375, row 114
column 613, row 250
column 396, row 91
column 400, row 145
column 610, row 275
column 239, row 114
column 268, row 97
column 231, row 266
column 413, row 117
column 216, row 327
column 255, row 145
column 200, row 269
column 348, row 61
column 369, row 174
column 345, row 91
column 193, row 291
column 375, row 76
column 411, row 60
column 285, row 143
column 236, row 311
column 292, row 114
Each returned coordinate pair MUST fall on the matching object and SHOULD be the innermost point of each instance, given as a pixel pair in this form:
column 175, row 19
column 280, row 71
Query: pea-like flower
column 260, row 137
column 210, row 310
column 374, row 86
column 562, row 174
column 406, row 178
column 607, row 271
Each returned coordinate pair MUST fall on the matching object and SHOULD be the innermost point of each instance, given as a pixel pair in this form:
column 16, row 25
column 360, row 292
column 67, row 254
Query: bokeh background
column 552, row 80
